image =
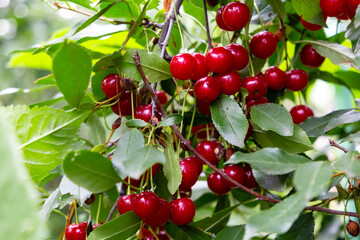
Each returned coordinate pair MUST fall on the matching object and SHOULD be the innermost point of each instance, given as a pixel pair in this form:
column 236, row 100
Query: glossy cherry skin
column 297, row 80
column 230, row 82
column 201, row 68
column 162, row 97
column 183, row 66
column 256, row 86
column 235, row 172
column 207, row 150
column 76, row 231
column 236, row 15
column 182, row 211
column 310, row 26
column 207, row 89
column 310, row 57
column 263, row 44
column 300, row 113
column 348, row 14
column 220, row 21
column 124, row 104
column 111, row 85
column 161, row 216
column 143, row 112
column 189, row 172
column 240, row 56
column 199, row 164
column 216, row 184
column 124, row 204
column 254, row 102
column 276, row 78
column 219, row 59
column 146, row 204
column 204, row 107
column 353, row 4
column 250, row 181
column 332, row 8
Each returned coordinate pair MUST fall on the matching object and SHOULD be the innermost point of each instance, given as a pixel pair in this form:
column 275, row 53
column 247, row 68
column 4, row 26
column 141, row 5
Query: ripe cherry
column 236, row 15
column 332, row 8
column 124, row 104
column 146, row 204
column 240, row 56
column 207, row 89
column 124, row 204
column 76, row 231
column 111, row 85
column 208, row 150
column 235, row 172
column 190, row 174
column 300, row 113
column 162, row 97
column 212, row 3
column 297, row 80
column 250, row 181
column 219, row 59
column 310, row 57
column 310, row 26
column 134, row 182
column 230, row 82
column 197, row 162
column 353, row 4
column 217, row 185
column 204, row 107
column 182, row 211
column 201, row 131
column 183, row 66
column 161, row 216
column 254, row 102
column 276, row 78
column 256, row 86
column 263, row 44
column 201, row 70
column 348, row 14
column 220, row 21
column 143, row 112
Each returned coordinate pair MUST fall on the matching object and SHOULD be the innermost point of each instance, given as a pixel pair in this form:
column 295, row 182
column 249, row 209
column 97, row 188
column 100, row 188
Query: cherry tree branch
column 207, row 25
column 334, row 144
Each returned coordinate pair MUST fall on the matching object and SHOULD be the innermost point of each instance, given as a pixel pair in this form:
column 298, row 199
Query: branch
column 114, row 207
column 334, row 144
column 207, row 25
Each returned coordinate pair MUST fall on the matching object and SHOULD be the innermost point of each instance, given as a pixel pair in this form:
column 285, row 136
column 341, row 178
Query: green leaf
column 343, row 194
column 271, row 182
column 231, row 233
column 121, row 228
column 172, row 119
column 353, row 32
column 348, row 117
column 349, row 163
column 229, row 120
column 90, row 170
column 310, row 10
column 352, row 138
column 50, row 204
column 136, row 123
column 194, row 233
column 46, row 80
column 84, row 3
column 302, row 229
column 67, row 186
column 172, row 169
column 278, row 7
column 272, row 161
column 96, row 130
column 273, row 117
column 28, row 60
column 72, row 70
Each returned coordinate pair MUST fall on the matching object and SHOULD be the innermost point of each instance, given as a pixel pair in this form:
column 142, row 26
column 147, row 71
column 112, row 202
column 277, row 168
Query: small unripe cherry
column 352, row 228
column 183, row 66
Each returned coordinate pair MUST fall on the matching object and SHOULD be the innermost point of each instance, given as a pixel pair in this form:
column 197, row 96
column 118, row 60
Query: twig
column 113, row 209
column 110, row 144
column 207, row 25
column 334, row 144
column 283, row 30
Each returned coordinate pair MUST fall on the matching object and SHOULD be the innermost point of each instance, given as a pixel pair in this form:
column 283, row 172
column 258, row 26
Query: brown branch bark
column 334, row 144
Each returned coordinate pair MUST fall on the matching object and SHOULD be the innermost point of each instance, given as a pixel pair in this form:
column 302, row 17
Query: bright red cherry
column 310, row 57
column 190, row 174
column 183, row 66
column 348, row 14
column 235, row 172
column 182, row 211
column 332, row 8
column 276, row 78
column 162, row 97
column 219, row 59
column 207, row 89
column 204, row 107
column 201, row 70
column 256, row 86
column 76, row 231
column 300, row 113
column 208, row 149
column 310, row 26
column 161, row 216
column 240, row 56
column 254, row 102
column 353, row 4
column 250, row 181
column 124, row 204
column 124, row 104
column 217, row 185
column 220, row 21
column 143, row 112
column 297, row 80
column 146, row 204
column 111, row 85
column 230, row 82
column 236, row 15
column 263, row 44
column 199, row 164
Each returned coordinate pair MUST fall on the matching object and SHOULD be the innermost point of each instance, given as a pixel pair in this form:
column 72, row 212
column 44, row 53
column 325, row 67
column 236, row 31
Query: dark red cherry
column 200, row 130
column 235, row 172
column 183, row 193
column 256, row 86
column 207, row 89
column 240, row 56
column 297, row 80
column 161, row 216
column 236, row 15
column 111, row 85
column 162, row 97
column 201, row 70
column 182, row 211
column 348, row 14
column 310, row 57
column 212, row 3
column 217, row 185
column 124, row 104
column 276, row 78
column 254, row 102
column 134, row 182
column 124, row 204
column 204, row 107
column 263, row 44
column 183, row 66
column 333, row 8
column 76, row 231
column 310, row 26
column 199, row 164
column 250, row 181
column 220, row 21
column 353, row 4
column 219, row 59
column 146, row 204
column 143, row 112
column 230, row 82
column 190, row 174
column 208, row 150
column 300, row 113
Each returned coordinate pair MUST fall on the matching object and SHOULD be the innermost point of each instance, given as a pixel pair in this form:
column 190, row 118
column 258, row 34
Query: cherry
column 161, row 216
column 352, row 228
column 208, row 149
column 76, row 231
column 310, row 26
column 201, row 70
column 190, row 174
column 220, row 21
column 124, row 104
column 217, row 185
column 256, row 86
column 90, row 200
column 332, row 8
column 300, row 113
column 134, row 182
column 111, row 85
column 143, row 112
column 263, row 44
column 276, row 78
column 297, row 80
column 146, row 204
column 219, row 59
column 230, row 82
column 240, row 56
column 182, row 211
column 212, row 3
column 310, row 57
column 200, row 130
column 162, row 97
column 124, row 204
column 207, row 89
column 353, row 4
column 250, row 181
column 183, row 193
column 254, row 102
column 197, row 162
column 236, row 15
column 183, row 66
column 235, row 172
column 348, row 14
column 204, row 107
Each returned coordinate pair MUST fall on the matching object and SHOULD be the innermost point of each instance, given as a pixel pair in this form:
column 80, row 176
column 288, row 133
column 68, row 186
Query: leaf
column 278, row 7
column 46, row 80
column 50, row 204
column 353, row 32
column 271, row 182
column 136, row 123
column 271, row 161
column 342, row 192
column 172, row 119
column 67, row 186
column 355, row 137
column 28, row 60
column 310, row 10
column 172, row 169
column 121, row 228
column 231, row 233
column 96, row 130
column 229, row 120
column 273, row 117
column 72, row 70
column 302, row 229
column 90, row 170
column 348, row 117
column 84, row 3
column 349, row 163
column 194, row 233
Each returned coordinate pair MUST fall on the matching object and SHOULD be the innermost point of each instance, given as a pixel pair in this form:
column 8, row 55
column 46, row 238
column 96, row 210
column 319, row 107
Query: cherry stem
column 69, row 218
column 207, row 25
column 334, row 144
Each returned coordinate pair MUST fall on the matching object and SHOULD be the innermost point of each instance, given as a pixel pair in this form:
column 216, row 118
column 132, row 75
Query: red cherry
column 353, row 4
column 220, row 21
column 333, row 8
column 183, row 193
column 182, row 211
column 230, row 82
column 276, row 78
column 300, row 113
column 204, row 107
column 250, row 181
column 236, row 15
column 143, row 112
column 207, row 150
column 219, row 59
column 297, row 80
column 256, row 86
column 111, row 85
column 190, row 174
column 161, row 216
column 162, row 97
column 134, row 182
column 146, row 204
column 183, row 66
column 348, row 14
column 124, row 104
column 199, row 164
column 200, row 130
column 155, row 169
column 254, row 102
column 217, row 185
column 212, row 3
column 201, row 70
column 310, row 57
column 240, row 56
column 76, row 231
column 310, row 26
column 145, row 233
column 263, row 44
column 235, row 172
column 124, row 204
column 207, row 89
